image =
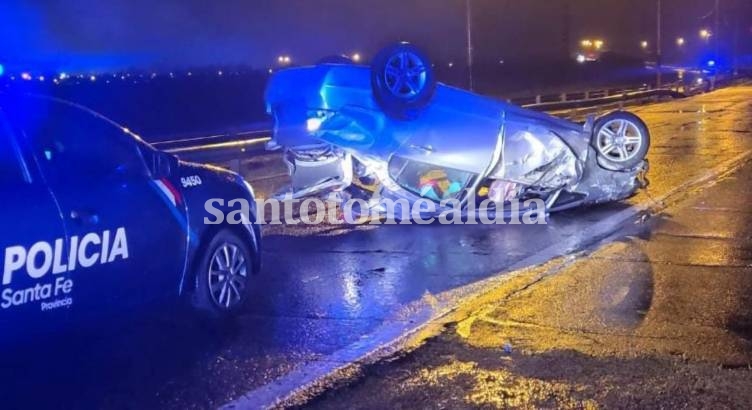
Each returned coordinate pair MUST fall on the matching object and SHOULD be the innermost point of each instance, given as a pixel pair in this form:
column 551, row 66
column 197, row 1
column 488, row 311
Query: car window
column 71, row 143
column 11, row 168
column 428, row 180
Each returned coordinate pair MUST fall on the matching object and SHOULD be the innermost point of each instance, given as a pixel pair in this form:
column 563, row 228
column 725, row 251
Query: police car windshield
column 72, row 142
column 25, row 110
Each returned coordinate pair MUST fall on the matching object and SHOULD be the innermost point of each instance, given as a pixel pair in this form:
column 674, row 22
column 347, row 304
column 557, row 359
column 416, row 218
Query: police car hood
column 200, row 182
column 187, row 169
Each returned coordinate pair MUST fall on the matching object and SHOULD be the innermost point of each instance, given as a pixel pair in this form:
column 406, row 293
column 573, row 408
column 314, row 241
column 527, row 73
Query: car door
column 128, row 238
column 454, row 143
column 33, row 293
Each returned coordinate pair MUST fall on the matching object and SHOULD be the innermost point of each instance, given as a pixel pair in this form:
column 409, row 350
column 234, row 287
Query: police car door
column 127, row 243
column 33, row 288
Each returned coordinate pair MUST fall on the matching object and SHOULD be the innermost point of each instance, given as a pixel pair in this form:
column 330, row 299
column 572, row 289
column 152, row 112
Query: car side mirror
column 163, row 165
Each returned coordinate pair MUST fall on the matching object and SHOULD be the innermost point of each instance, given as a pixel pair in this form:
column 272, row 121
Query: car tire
column 223, row 276
column 621, row 140
column 403, row 81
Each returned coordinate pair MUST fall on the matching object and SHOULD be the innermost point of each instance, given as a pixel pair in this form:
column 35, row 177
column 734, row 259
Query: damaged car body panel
column 341, row 113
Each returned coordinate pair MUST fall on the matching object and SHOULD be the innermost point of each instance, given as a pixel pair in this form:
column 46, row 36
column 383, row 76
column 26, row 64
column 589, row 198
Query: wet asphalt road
column 658, row 315
column 324, row 288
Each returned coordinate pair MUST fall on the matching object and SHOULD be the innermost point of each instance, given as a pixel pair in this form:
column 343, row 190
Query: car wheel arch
column 205, row 239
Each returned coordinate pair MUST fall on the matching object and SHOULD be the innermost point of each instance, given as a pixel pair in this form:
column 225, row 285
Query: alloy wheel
column 405, row 75
column 228, row 275
column 620, row 140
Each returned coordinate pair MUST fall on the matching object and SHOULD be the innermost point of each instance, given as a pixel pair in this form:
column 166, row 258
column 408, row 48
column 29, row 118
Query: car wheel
column 621, row 140
column 403, row 81
column 223, row 275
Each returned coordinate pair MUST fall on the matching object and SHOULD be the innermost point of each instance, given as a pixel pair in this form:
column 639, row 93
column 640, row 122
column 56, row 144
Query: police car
column 95, row 222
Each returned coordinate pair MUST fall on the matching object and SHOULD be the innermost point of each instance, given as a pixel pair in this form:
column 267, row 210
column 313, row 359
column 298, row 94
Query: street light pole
column 716, row 41
column 717, row 36
column 566, row 31
column 469, row 26
column 737, row 10
column 658, row 41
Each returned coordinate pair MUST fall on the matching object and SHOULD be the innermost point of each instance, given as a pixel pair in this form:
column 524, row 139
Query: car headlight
column 316, row 118
column 313, row 124
column 252, row 204
column 249, row 187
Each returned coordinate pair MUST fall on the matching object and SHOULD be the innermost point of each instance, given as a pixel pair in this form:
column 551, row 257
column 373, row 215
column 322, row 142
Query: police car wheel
column 223, row 275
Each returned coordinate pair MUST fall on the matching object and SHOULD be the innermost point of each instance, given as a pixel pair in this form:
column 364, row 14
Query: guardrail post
column 564, row 97
column 587, row 95
column 606, row 93
column 537, row 99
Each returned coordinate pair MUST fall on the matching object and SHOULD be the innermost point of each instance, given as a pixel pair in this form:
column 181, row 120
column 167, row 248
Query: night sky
column 112, row 34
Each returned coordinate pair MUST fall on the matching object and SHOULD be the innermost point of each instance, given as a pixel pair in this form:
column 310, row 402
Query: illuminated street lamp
column 356, row 57
column 705, row 34
column 26, row 76
column 644, row 45
column 680, row 41
column 596, row 44
column 284, row 60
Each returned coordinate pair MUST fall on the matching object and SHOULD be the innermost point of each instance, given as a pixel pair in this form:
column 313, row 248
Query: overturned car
column 391, row 131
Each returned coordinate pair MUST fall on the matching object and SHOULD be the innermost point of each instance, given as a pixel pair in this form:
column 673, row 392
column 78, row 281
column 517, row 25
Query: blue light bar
column 2, row 70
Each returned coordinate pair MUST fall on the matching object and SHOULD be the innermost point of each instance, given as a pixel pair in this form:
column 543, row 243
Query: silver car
column 391, row 131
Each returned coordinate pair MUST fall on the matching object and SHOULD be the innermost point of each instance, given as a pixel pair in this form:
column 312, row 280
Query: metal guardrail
column 236, row 142
column 226, row 147
column 245, row 152
column 623, row 97
column 579, row 99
